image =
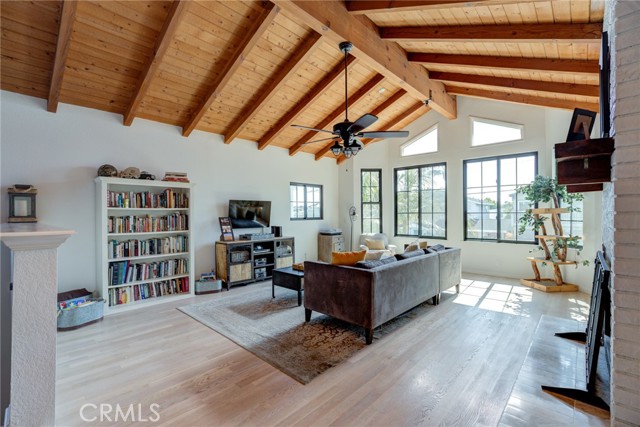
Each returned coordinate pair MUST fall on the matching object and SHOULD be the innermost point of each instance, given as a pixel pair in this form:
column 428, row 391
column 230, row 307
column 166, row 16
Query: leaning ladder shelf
column 557, row 284
column 144, row 227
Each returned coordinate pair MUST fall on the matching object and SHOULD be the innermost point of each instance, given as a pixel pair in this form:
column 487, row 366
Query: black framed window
column 421, row 201
column 305, row 201
column 371, row 200
column 492, row 206
column 573, row 222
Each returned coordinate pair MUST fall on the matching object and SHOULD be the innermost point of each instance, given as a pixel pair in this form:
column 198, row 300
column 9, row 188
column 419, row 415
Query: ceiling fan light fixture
column 336, row 148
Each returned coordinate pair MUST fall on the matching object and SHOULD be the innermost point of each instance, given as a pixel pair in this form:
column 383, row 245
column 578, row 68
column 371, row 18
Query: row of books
column 148, row 223
column 126, row 272
column 168, row 198
column 156, row 246
column 127, row 294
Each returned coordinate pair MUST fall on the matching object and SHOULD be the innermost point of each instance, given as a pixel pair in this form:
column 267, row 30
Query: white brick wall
column 621, row 209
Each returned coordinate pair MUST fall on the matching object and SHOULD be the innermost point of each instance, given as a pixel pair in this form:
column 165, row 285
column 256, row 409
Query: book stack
column 175, row 176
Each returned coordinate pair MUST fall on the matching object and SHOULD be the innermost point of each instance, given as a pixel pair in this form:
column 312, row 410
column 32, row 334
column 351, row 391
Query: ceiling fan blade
column 310, row 128
column 319, row 140
column 362, row 122
column 385, row 134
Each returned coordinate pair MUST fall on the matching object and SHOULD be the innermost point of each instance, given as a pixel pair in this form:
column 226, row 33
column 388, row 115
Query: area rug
column 275, row 330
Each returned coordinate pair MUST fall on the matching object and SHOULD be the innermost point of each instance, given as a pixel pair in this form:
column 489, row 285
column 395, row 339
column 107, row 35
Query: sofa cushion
column 375, row 263
column 411, row 254
column 347, row 258
column 375, row 244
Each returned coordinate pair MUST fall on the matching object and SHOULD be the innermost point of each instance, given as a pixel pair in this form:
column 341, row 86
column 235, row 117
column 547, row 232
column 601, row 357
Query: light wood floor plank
column 463, row 364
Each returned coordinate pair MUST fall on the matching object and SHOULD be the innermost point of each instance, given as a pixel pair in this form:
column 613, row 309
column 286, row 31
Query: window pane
column 489, row 227
column 489, row 173
column 401, row 180
column 366, row 226
column 474, row 226
column 439, row 201
column 526, row 170
column 402, row 223
column 508, row 227
column 414, row 224
column 486, row 131
column 474, row 174
column 426, row 228
column 425, row 143
column 508, row 171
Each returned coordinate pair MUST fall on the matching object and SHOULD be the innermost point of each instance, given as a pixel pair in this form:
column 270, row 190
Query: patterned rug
column 275, row 330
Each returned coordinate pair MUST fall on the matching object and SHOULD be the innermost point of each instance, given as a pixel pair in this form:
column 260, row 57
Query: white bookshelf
column 157, row 266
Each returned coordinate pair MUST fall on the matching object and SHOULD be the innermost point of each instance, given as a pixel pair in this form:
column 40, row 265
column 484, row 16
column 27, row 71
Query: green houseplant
column 546, row 190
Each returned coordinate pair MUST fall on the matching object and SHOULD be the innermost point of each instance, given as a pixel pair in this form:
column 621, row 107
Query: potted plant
column 555, row 246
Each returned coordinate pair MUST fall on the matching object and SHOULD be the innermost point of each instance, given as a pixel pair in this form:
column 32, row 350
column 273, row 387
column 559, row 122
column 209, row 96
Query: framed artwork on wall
column 227, row 230
column 581, row 124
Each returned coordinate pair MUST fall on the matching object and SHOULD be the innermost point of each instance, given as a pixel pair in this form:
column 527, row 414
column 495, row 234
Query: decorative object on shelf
column 107, row 170
column 351, row 132
column 581, row 125
column 555, row 246
column 22, row 203
column 276, row 230
column 130, row 173
column 227, row 230
column 147, row 175
column 175, row 177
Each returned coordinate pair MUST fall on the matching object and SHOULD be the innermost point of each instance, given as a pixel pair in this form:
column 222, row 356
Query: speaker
column 276, row 230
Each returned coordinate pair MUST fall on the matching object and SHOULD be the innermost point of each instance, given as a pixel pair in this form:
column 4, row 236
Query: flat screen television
column 249, row 213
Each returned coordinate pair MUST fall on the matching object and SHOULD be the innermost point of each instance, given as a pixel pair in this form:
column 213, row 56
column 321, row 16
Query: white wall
column 543, row 128
column 60, row 153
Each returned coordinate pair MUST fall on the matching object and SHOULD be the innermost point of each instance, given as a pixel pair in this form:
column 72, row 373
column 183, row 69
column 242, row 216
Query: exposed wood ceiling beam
column 539, row 33
column 389, row 126
column 153, row 61
column 359, row 7
column 522, row 99
column 316, row 92
column 536, row 85
column 303, row 53
column 260, row 25
column 508, row 62
column 67, row 16
column 389, row 59
column 376, row 112
column 336, row 113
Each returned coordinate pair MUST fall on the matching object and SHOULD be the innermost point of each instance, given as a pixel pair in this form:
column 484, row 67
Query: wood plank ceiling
column 250, row 69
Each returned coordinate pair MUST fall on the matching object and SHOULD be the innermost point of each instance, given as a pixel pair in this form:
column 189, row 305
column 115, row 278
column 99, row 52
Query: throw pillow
column 412, row 247
column 374, row 244
column 373, row 255
column 375, row 263
column 437, row 248
column 407, row 255
column 347, row 258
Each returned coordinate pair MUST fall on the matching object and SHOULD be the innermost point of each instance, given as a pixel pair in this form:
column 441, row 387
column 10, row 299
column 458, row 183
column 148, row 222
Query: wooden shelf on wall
column 584, row 165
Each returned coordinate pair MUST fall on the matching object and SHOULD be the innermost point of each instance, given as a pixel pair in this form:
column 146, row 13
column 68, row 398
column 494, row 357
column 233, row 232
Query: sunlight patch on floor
column 497, row 297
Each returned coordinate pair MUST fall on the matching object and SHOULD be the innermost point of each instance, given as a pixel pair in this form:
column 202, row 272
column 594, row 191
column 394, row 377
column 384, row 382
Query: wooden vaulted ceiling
column 250, row 69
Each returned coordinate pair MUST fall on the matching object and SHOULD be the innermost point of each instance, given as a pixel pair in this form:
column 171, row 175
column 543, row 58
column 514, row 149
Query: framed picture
column 581, row 124
column 227, row 231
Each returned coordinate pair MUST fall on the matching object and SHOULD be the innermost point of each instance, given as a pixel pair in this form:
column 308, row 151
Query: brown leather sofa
column 371, row 297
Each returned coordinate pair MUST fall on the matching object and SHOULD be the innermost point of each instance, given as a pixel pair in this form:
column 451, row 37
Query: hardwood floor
column 461, row 366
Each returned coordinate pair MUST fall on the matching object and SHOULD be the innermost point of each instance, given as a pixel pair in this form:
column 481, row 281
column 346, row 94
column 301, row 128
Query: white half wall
column 60, row 154
column 543, row 127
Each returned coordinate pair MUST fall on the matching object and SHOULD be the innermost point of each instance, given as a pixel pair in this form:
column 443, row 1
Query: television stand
column 246, row 261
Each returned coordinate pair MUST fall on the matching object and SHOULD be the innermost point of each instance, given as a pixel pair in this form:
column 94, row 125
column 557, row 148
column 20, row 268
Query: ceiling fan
column 351, row 132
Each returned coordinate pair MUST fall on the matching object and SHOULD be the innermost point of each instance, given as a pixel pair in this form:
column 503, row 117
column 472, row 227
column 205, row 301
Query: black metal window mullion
column 499, row 186
column 295, row 202
column 371, row 204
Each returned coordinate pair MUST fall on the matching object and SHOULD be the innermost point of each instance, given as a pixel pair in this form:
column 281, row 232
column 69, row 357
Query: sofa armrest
column 392, row 248
column 339, row 291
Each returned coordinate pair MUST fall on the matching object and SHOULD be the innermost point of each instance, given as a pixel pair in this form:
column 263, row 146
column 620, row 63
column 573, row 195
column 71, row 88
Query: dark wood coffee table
column 288, row 278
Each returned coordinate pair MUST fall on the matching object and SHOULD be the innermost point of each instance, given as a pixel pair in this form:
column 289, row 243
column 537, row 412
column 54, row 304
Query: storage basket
column 76, row 316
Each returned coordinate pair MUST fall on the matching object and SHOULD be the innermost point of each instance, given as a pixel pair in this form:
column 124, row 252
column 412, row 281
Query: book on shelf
column 175, row 177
